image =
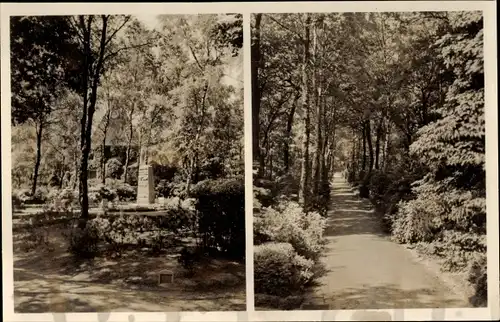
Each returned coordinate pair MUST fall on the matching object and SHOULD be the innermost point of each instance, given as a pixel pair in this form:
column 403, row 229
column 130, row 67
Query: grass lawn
column 49, row 279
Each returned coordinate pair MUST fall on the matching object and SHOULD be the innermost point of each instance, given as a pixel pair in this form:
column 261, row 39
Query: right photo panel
column 368, row 160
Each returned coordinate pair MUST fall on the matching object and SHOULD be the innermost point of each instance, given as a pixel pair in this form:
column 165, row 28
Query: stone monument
column 145, row 182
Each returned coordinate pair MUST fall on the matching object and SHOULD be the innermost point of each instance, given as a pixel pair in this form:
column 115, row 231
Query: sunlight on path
column 365, row 270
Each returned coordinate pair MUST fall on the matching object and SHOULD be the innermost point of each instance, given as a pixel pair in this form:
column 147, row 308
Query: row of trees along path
column 396, row 100
column 366, row 270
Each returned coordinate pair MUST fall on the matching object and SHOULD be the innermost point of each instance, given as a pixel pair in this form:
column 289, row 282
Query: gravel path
column 365, row 270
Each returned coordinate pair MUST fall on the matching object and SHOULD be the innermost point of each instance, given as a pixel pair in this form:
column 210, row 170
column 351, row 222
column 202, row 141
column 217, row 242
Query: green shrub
column 221, row 210
column 279, row 270
column 289, row 224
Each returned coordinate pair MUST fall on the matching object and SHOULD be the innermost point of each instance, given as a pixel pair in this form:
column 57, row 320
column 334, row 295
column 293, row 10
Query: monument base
column 145, row 186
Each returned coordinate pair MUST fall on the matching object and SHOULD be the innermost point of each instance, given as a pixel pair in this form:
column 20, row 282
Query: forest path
column 365, row 269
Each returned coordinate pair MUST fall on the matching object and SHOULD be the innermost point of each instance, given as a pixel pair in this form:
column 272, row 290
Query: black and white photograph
column 249, row 161
column 127, row 163
column 368, row 143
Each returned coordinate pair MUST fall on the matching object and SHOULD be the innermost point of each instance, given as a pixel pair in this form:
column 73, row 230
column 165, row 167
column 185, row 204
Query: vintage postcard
column 301, row 161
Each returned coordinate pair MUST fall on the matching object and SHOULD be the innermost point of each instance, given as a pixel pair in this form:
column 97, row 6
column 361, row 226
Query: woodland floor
column 366, row 270
column 52, row 281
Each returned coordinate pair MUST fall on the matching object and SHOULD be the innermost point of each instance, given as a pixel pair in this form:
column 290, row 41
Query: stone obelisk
column 145, row 181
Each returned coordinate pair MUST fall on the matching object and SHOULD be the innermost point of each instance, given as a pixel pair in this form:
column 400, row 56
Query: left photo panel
column 127, row 163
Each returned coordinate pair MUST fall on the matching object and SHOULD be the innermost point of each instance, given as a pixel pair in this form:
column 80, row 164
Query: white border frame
column 490, row 66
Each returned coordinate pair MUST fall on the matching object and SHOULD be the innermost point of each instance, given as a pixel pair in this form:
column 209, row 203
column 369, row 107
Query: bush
column 121, row 230
column 178, row 219
column 262, row 198
column 17, row 202
column 290, row 302
column 289, row 224
column 320, row 203
column 163, row 188
column 117, row 230
column 62, row 200
column 114, row 168
column 221, row 209
column 84, row 242
column 416, row 220
column 379, row 184
column 40, row 196
column 126, row 192
column 279, row 270
column 22, row 194
column 458, row 249
column 478, row 277
column 170, row 189
column 160, row 241
column 102, row 192
column 188, row 259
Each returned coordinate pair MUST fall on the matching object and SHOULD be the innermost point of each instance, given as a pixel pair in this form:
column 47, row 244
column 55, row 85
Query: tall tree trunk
column 189, row 175
column 39, row 132
column 329, row 143
column 363, row 164
column 196, row 139
column 288, row 133
column 386, row 147
column 82, row 171
column 354, row 161
column 316, row 85
column 74, row 176
column 368, row 132
column 103, row 145
column 62, row 174
column 332, row 148
column 305, row 171
column 255, row 59
column 270, row 166
column 87, row 129
column 377, row 144
column 129, row 143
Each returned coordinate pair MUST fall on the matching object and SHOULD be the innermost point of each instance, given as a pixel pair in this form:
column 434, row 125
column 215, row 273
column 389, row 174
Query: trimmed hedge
column 221, row 215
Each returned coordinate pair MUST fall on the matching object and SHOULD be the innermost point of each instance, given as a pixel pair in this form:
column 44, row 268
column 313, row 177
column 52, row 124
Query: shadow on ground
column 388, row 296
column 348, row 215
column 53, row 281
